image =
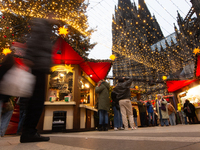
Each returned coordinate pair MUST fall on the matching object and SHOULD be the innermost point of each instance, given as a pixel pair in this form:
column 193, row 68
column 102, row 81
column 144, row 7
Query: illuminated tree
column 16, row 15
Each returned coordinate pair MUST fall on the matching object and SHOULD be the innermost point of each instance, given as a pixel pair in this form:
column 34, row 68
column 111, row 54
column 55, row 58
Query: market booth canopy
column 96, row 69
column 178, row 84
column 198, row 66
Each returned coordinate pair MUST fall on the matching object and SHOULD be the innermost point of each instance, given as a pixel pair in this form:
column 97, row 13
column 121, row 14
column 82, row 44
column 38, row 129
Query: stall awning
column 178, row 84
column 96, row 69
column 198, row 66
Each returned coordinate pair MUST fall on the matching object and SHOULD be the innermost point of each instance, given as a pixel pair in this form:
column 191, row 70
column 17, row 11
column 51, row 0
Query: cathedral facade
column 143, row 52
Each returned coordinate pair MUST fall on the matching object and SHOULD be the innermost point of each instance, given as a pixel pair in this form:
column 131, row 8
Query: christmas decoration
column 6, row 51
column 112, row 57
column 143, row 52
column 196, row 50
column 63, row 30
column 17, row 16
column 67, row 68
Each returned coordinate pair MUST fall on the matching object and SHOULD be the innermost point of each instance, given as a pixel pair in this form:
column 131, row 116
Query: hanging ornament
column 63, row 30
column 112, row 57
column 7, row 27
column 12, row 34
column 3, row 17
column 67, row 68
column 164, row 77
column 5, row 36
column 6, row 51
column 196, row 50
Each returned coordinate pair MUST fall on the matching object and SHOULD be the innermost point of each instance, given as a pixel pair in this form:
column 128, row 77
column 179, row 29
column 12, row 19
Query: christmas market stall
column 70, row 98
column 187, row 89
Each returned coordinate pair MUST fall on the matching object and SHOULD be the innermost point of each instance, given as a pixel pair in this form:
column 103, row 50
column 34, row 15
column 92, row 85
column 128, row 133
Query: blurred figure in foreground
column 6, row 107
column 103, row 104
column 38, row 58
column 22, row 113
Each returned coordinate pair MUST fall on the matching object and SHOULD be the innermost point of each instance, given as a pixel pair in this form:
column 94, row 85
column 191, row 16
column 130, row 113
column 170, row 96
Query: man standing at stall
column 38, row 58
column 124, row 95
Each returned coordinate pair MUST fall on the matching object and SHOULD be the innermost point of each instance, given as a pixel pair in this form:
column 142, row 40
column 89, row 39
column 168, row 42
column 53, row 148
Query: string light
column 137, row 55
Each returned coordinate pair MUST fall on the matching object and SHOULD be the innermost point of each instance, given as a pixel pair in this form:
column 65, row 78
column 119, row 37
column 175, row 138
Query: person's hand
column 123, row 78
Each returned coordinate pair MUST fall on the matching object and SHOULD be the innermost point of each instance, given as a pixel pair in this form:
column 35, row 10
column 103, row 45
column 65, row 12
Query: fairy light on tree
column 16, row 15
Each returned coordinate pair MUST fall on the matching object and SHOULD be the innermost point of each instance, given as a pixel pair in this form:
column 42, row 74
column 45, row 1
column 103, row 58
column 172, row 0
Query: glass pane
column 61, row 86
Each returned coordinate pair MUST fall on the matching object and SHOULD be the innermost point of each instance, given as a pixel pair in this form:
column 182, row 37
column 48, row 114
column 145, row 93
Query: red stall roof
column 198, row 66
column 96, row 69
column 178, row 84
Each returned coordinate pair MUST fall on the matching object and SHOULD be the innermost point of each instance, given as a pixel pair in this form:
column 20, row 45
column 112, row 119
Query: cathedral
column 144, row 53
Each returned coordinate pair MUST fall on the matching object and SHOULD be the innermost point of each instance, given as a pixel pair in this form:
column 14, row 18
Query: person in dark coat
column 135, row 116
column 38, row 57
column 117, row 114
column 189, row 109
column 142, row 110
column 103, row 104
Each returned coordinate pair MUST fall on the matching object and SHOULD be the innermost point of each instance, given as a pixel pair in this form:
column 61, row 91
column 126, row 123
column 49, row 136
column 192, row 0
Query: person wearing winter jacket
column 124, row 95
column 171, row 113
column 103, row 104
column 117, row 114
column 150, row 112
column 161, row 109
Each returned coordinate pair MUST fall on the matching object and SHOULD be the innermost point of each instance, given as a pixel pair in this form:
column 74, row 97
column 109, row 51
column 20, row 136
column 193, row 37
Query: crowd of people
column 161, row 113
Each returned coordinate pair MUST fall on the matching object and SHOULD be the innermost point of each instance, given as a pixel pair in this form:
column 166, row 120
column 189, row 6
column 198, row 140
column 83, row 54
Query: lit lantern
column 136, row 87
column 164, row 77
column 63, row 30
column 112, row 57
column 6, row 51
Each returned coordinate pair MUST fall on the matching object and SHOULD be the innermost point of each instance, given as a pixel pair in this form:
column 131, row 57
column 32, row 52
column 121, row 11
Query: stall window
column 85, row 87
column 61, row 86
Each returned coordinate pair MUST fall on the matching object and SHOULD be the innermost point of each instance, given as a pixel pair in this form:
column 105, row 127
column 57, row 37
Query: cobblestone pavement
column 180, row 137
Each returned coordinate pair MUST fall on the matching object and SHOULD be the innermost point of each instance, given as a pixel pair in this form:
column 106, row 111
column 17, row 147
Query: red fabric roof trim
column 198, row 66
column 173, row 86
column 96, row 70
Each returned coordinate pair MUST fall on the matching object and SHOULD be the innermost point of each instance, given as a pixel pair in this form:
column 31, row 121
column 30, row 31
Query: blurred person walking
column 161, row 108
column 22, row 102
column 6, row 107
column 103, row 104
column 38, row 57
column 124, row 95
column 117, row 114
